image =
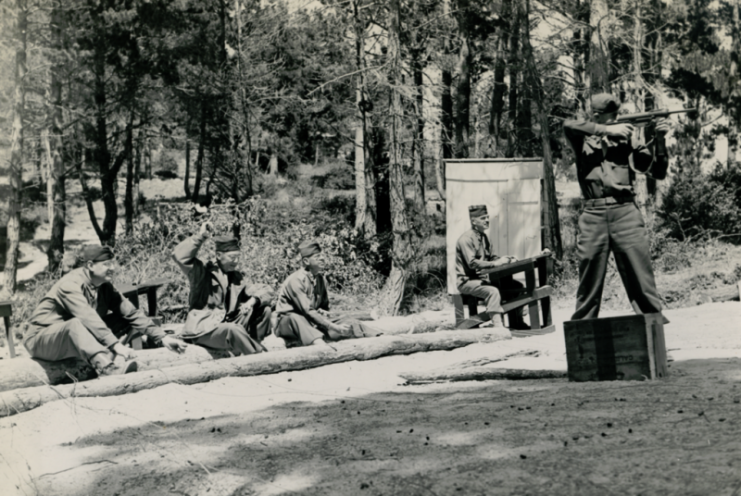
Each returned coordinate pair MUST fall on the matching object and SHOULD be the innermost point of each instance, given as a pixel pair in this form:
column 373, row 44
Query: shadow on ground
column 681, row 435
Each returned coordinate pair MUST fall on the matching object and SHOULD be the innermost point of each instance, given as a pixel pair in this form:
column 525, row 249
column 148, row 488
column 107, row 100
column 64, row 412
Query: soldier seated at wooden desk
column 472, row 255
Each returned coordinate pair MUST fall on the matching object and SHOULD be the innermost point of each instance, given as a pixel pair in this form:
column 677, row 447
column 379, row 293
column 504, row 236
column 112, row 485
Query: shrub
column 167, row 165
column 702, row 205
column 341, row 177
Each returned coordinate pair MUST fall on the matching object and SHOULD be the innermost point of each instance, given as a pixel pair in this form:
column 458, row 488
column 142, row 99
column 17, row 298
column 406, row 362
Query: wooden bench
column 531, row 295
column 132, row 292
column 6, row 310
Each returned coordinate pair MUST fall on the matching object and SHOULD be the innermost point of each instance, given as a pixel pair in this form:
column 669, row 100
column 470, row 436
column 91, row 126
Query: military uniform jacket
column 301, row 293
column 74, row 297
column 214, row 294
column 472, row 245
column 605, row 165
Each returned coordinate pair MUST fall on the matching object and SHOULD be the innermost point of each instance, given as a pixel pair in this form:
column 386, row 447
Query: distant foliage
column 703, row 205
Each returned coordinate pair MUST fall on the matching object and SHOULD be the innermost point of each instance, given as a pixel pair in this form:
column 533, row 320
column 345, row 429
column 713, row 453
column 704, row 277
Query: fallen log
column 721, row 294
column 21, row 400
column 478, row 371
column 23, row 372
column 481, row 374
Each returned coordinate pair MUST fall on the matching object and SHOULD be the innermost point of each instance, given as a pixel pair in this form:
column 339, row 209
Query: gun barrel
column 648, row 116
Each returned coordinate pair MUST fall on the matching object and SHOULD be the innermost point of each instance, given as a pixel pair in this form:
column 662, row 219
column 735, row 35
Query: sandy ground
column 355, row 428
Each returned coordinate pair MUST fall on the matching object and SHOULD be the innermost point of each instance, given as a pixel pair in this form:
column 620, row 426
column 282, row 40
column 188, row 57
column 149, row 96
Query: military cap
column 475, row 211
column 604, row 103
column 96, row 253
column 309, row 248
column 226, row 243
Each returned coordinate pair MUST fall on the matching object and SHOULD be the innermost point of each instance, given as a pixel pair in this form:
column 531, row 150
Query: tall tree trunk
column 101, row 153
column 86, row 193
column 598, row 68
column 446, row 109
column 364, row 220
column 201, row 150
column 462, row 112
column 514, row 80
column 640, row 184
column 418, row 145
column 550, row 220
column 402, row 250
column 734, row 73
column 500, row 87
column 129, row 195
column 186, row 178
column 16, row 149
column 55, row 252
column 273, row 163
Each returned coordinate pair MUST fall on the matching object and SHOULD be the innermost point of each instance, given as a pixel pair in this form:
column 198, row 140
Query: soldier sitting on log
column 225, row 313
column 76, row 317
column 303, row 306
column 473, row 254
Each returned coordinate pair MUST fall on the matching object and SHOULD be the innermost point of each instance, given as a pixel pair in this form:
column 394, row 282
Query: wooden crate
column 629, row 348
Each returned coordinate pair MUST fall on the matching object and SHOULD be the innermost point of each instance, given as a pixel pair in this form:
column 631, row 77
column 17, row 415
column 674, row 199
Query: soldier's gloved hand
column 206, row 229
column 620, row 130
column 663, row 126
column 122, row 350
column 173, row 344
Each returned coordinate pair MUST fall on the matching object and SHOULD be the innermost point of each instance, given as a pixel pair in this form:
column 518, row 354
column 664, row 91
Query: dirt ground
column 355, row 428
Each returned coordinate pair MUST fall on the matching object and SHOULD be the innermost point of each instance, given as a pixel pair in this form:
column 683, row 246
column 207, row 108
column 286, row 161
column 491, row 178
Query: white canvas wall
column 511, row 190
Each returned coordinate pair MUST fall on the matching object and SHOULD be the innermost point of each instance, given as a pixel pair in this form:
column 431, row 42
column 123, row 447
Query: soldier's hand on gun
column 206, row 228
column 620, row 130
column 476, row 264
column 663, row 126
column 173, row 344
column 122, row 350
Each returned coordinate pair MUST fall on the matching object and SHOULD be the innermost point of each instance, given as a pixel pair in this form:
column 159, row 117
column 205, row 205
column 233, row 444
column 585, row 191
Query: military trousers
column 68, row 339
column 296, row 330
column 618, row 229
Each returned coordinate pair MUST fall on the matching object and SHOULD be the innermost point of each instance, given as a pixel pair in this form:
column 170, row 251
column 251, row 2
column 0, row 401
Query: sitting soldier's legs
column 69, row 339
column 296, row 330
column 490, row 294
column 259, row 324
column 232, row 337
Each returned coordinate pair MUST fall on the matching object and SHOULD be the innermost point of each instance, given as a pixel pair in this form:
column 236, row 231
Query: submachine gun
column 658, row 170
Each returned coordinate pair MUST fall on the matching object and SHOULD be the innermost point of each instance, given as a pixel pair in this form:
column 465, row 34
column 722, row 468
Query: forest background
column 281, row 121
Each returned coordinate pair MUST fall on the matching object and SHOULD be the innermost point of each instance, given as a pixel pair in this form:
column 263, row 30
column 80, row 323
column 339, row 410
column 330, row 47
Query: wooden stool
column 540, row 295
column 6, row 310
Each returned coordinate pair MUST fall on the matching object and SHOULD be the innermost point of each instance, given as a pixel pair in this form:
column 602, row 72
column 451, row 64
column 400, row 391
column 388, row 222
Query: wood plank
column 21, row 400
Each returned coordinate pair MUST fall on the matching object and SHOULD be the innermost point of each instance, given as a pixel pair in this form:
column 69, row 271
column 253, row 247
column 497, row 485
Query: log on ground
column 21, row 400
column 25, row 372
column 469, row 371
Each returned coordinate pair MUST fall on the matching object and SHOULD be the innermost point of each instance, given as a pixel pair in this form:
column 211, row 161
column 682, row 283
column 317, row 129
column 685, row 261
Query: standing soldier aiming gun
column 607, row 157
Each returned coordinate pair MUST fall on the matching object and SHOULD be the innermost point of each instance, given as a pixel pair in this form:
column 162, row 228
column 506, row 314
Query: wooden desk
column 149, row 288
column 132, row 293
column 530, row 295
column 6, row 310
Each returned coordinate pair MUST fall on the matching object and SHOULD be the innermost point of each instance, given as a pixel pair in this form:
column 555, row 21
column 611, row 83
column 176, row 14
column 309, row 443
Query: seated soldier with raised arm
column 303, row 306
column 75, row 318
column 225, row 312
column 473, row 254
